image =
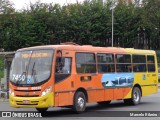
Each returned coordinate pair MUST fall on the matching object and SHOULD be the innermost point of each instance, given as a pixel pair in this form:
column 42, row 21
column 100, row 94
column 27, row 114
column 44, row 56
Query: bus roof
column 90, row 48
column 139, row 51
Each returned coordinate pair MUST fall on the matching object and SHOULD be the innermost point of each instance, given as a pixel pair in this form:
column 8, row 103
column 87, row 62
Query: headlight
column 46, row 91
column 11, row 92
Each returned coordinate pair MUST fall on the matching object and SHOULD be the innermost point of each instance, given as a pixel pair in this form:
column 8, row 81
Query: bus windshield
column 31, row 67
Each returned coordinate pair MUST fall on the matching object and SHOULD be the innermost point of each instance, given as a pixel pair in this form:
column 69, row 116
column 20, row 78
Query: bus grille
column 27, row 96
column 31, row 103
column 26, row 90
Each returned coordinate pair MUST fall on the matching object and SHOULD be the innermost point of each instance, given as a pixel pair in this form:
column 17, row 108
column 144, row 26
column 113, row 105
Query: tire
column 136, row 97
column 104, row 103
column 41, row 110
column 79, row 104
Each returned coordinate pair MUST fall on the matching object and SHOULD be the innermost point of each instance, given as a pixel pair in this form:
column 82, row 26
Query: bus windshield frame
column 31, row 67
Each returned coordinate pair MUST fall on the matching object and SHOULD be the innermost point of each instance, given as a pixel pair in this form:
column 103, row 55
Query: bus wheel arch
column 135, row 96
column 137, row 85
column 79, row 100
column 82, row 90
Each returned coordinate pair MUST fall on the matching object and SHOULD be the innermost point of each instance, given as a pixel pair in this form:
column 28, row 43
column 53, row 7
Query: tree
column 88, row 22
column 6, row 7
column 152, row 21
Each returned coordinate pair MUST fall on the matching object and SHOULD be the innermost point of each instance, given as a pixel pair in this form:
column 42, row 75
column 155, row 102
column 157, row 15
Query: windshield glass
column 31, row 67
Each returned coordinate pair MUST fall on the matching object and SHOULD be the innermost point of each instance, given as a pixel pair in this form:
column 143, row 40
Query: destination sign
column 35, row 55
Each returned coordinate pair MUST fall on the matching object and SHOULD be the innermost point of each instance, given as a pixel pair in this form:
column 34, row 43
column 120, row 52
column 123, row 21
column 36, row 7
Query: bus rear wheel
column 79, row 105
column 104, row 103
column 136, row 97
column 41, row 109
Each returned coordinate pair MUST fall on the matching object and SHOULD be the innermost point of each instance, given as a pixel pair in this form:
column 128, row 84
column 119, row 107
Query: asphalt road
column 149, row 104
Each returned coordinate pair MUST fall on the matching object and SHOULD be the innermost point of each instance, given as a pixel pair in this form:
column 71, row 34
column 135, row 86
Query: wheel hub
column 81, row 102
column 136, row 96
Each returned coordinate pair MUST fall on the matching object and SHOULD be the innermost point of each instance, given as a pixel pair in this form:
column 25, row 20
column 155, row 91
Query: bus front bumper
column 32, row 102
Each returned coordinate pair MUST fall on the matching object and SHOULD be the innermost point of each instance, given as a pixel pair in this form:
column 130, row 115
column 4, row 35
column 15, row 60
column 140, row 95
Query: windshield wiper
column 20, row 77
column 33, row 74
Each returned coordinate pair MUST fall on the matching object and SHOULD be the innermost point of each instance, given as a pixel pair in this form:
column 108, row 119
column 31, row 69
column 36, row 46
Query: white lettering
column 22, row 88
column 18, row 77
column 34, row 115
column 36, row 88
column 137, row 114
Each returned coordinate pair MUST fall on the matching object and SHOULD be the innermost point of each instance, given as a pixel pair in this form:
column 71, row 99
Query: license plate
column 26, row 101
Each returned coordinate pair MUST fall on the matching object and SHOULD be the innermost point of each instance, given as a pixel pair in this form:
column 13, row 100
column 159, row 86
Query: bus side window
column 64, row 68
column 67, row 66
column 58, row 65
column 123, row 63
column 139, row 63
column 85, row 62
column 105, row 62
column 151, row 63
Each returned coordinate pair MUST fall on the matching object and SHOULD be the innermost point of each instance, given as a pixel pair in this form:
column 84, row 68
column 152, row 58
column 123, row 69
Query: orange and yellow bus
column 73, row 75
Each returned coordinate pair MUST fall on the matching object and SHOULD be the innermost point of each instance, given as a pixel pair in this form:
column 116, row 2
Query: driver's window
column 63, row 66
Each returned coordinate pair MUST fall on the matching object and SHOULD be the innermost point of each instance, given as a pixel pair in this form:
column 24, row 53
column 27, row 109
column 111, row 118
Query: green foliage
column 6, row 7
column 158, row 58
column 84, row 23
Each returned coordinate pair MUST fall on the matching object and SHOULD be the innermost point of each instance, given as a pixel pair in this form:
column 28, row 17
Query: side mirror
column 59, row 53
column 61, row 61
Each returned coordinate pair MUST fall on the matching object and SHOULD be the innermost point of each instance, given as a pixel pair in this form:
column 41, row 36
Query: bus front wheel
column 136, row 97
column 79, row 105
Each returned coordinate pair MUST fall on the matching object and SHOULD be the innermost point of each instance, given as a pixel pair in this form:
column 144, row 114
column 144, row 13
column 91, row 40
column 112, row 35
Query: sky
column 19, row 4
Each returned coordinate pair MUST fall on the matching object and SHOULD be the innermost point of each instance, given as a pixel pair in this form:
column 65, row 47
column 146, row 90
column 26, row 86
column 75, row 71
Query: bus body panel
column 23, row 97
column 63, row 91
column 32, row 102
column 148, row 81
